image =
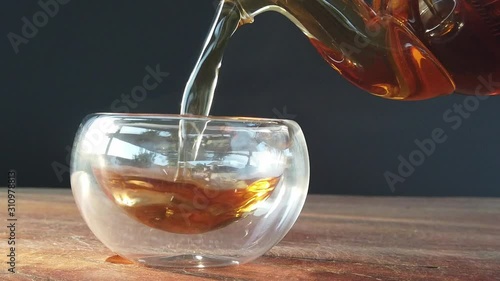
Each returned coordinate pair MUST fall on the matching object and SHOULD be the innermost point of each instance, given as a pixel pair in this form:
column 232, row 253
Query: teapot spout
column 375, row 52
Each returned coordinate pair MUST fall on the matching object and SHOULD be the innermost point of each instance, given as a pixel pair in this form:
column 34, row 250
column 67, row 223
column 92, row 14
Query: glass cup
column 188, row 191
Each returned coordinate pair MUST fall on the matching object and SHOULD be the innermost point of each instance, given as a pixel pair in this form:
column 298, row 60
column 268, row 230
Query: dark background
column 91, row 52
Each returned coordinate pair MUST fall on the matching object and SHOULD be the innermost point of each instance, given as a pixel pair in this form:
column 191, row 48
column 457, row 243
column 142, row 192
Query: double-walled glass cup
column 185, row 191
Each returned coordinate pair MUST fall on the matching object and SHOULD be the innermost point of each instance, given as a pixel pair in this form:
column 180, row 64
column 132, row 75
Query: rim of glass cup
column 189, row 117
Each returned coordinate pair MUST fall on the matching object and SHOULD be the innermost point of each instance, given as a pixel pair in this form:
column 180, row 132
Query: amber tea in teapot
column 401, row 50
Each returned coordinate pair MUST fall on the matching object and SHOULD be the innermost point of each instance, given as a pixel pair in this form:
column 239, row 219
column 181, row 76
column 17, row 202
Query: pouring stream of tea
column 199, row 91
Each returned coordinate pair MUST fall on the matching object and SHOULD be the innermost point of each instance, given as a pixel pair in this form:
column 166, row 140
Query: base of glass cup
column 188, row 261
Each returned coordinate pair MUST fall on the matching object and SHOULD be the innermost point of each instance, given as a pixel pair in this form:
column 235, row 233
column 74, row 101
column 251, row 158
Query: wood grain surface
column 335, row 238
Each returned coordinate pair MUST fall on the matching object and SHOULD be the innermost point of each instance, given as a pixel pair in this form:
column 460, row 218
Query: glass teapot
column 400, row 49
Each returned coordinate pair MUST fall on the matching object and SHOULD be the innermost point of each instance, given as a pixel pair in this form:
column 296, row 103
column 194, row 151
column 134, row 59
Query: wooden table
column 336, row 238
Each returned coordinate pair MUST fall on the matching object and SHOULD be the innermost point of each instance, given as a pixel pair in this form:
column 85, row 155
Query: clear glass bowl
column 178, row 191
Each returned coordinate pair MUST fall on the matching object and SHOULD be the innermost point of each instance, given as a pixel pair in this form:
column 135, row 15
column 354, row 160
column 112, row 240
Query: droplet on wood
column 118, row 260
